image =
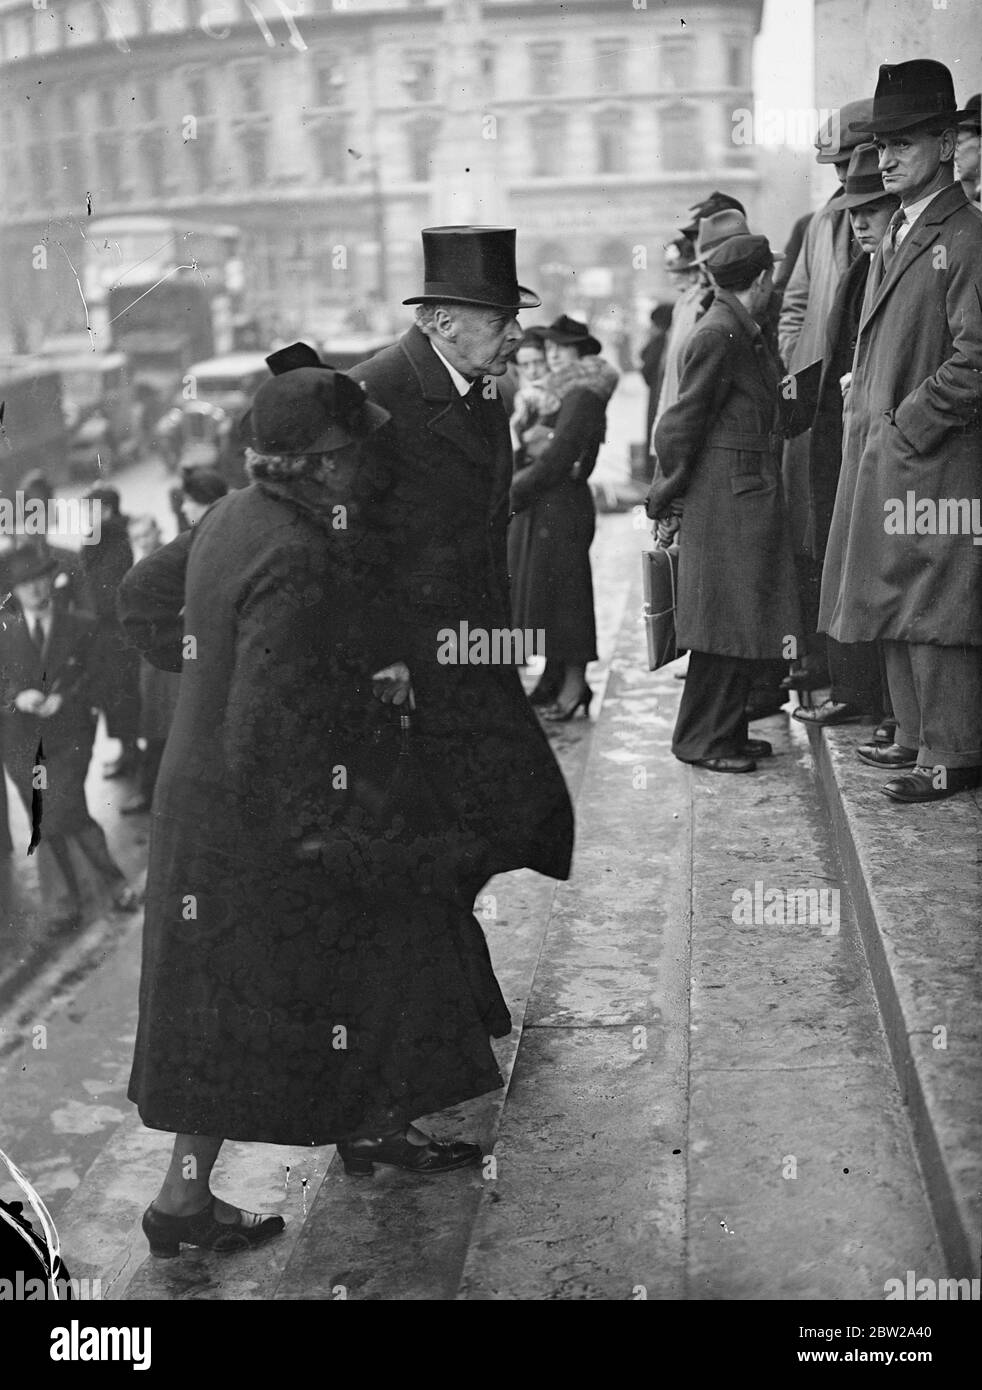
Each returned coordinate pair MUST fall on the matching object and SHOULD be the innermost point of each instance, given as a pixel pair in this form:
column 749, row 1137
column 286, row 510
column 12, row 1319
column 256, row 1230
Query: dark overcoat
column 551, row 532
column 281, row 1000
column 449, row 502
column 116, row 670
column 66, row 738
column 718, row 451
column 912, row 424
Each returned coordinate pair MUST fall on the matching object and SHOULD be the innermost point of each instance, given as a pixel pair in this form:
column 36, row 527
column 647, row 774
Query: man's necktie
column 890, row 247
column 37, row 636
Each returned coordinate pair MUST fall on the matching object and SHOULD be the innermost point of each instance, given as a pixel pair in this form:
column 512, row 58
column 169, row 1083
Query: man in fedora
column 857, row 683
column 719, row 453
column 46, row 672
column 901, row 566
column 826, row 252
column 967, row 149
column 452, row 464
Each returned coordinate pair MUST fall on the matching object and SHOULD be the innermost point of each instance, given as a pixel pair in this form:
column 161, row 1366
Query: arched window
column 611, row 131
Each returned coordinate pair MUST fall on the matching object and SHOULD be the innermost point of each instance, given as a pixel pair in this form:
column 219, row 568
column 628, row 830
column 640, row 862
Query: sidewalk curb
column 953, row 1202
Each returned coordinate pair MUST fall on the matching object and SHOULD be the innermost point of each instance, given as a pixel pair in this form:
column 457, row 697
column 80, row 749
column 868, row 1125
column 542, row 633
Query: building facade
column 330, row 131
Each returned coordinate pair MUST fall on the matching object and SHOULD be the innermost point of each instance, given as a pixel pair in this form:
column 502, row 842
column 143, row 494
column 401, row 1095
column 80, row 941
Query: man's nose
column 886, row 159
column 515, row 330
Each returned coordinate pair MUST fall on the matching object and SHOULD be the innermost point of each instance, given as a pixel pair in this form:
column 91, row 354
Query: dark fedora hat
column 717, row 228
column 25, row 563
column 309, row 410
column 908, row 94
column 864, row 182
column 472, row 265
column 570, row 332
column 836, row 139
column 715, row 202
column 972, row 121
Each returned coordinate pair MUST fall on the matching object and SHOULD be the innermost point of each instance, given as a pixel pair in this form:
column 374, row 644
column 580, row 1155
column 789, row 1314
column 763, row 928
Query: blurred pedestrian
column 912, row 430
column 554, row 514
column 652, row 360
column 46, row 656
column 68, row 584
column 116, row 674
column 967, row 149
column 158, row 689
column 201, row 488
column 719, row 452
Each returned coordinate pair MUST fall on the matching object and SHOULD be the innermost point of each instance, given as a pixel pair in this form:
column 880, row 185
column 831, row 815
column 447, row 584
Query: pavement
column 711, row 1094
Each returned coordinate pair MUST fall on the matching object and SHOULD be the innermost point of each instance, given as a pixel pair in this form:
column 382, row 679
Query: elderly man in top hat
column 902, row 564
column 826, row 252
column 453, row 462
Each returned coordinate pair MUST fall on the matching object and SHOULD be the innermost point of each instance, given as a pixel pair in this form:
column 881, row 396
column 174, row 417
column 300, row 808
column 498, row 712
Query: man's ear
column 445, row 323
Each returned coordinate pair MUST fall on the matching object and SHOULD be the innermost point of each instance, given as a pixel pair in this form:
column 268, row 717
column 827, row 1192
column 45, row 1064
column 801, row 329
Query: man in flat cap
column 719, row 453
column 826, row 252
column 902, row 564
column 452, row 470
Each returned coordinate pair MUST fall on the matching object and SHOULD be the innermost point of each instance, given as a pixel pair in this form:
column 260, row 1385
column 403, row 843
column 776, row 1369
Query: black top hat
column 972, row 118
column 472, row 265
column 716, row 202
column 570, row 331
column 28, row 562
column 907, row 94
column 309, row 410
column 864, row 182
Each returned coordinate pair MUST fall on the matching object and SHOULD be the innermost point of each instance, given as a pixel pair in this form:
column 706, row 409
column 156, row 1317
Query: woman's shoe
column 396, row 1151
column 167, row 1234
column 561, row 714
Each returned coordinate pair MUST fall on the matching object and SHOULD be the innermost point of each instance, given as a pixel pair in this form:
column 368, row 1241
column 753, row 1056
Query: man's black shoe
column 893, row 756
column 723, row 764
column 827, row 713
column 919, row 785
column 756, row 748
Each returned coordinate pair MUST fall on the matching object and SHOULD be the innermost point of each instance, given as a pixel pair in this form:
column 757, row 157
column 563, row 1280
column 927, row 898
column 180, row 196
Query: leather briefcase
column 660, row 573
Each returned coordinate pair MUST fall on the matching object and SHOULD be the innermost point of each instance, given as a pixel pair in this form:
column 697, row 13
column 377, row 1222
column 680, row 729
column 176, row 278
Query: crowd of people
column 800, row 413
column 329, row 794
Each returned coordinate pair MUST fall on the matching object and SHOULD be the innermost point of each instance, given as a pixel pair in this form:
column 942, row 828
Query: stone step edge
column 956, row 1235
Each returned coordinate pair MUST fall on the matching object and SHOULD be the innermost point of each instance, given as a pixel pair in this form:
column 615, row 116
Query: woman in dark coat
column 551, row 532
column 311, row 973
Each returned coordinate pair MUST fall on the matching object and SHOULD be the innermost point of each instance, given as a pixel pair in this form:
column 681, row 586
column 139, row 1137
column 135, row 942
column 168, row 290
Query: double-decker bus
column 160, row 290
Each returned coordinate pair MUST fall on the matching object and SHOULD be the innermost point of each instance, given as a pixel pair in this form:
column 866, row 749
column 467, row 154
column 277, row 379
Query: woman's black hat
column 309, row 410
column 908, row 94
column 472, row 265
column 573, row 333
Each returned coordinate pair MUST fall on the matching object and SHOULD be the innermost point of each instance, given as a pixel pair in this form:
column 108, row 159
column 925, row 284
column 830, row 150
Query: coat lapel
column 447, row 416
column 923, row 234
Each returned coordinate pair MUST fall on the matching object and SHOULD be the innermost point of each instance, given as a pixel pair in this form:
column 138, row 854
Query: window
column 255, row 155
column 681, row 143
column 330, row 150
column 545, row 60
column 196, row 86
column 420, row 77
column 152, row 163
column 328, row 82
column 107, row 108
column 40, row 160
column 677, row 65
column 611, row 130
column 202, row 152
column 422, row 144
column 150, row 100
column 107, row 154
column 250, row 90
column 548, row 144
column 609, row 65
column 736, row 64
column 70, row 169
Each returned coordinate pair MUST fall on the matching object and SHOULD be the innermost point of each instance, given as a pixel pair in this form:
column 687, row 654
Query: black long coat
column 282, row 1000
column 718, row 451
column 67, row 737
column 550, row 535
column 116, row 670
column 449, row 502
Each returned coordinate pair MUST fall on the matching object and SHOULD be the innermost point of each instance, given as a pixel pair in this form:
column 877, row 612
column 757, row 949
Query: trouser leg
column 947, row 684
column 854, row 668
column 91, row 839
column 712, row 718
column 903, row 696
